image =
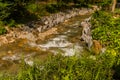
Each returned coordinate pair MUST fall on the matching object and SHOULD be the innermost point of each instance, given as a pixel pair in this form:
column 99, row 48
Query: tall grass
column 90, row 67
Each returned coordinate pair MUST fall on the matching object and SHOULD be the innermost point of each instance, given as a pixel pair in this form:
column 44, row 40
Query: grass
column 86, row 67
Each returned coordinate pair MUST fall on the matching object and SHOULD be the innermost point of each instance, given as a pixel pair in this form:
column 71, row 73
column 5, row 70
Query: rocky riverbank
column 39, row 29
column 93, row 45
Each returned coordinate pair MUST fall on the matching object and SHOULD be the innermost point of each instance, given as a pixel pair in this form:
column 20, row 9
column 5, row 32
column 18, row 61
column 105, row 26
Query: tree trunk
column 114, row 5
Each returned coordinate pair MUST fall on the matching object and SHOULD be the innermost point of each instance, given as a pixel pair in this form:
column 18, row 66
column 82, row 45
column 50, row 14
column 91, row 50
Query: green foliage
column 14, row 9
column 117, row 11
column 11, row 23
column 102, row 18
column 2, row 29
column 37, row 9
column 73, row 68
column 32, row 7
column 106, row 29
column 105, row 3
column 51, row 8
column 4, row 10
column 70, row 68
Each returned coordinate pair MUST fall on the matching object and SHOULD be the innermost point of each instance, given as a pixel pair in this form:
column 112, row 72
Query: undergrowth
column 85, row 67
column 106, row 28
column 2, row 29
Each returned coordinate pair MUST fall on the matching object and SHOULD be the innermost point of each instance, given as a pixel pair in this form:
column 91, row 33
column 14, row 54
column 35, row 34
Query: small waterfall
column 86, row 32
column 93, row 45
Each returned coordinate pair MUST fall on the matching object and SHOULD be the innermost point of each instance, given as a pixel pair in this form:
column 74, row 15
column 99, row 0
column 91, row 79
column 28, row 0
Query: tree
column 114, row 2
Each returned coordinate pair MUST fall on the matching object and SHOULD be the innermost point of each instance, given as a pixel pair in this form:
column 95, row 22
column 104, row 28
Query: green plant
column 11, row 23
column 117, row 11
column 2, row 29
column 32, row 7
column 106, row 29
column 4, row 10
column 52, row 8
column 70, row 68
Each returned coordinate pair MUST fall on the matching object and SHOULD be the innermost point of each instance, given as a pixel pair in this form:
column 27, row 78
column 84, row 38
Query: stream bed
column 65, row 41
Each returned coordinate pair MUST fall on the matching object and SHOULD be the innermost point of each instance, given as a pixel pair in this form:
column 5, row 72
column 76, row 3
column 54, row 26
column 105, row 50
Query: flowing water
column 66, row 41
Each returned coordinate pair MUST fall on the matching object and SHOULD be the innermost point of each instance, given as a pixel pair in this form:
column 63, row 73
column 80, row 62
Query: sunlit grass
column 85, row 67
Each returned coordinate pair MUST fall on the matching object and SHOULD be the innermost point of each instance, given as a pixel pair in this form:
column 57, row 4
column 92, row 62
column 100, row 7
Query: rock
column 3, row 40
column 94, row 7
column 88, row 40
column 28, row 36
column 29, row 62
column 11, row 40
column 97, row 47
column 86, row 29
column 46, row 22
column 10, row 52
column 39, row 29
column 47, row 33
column 86, row 36
column 50, row 21
column 86, row 33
